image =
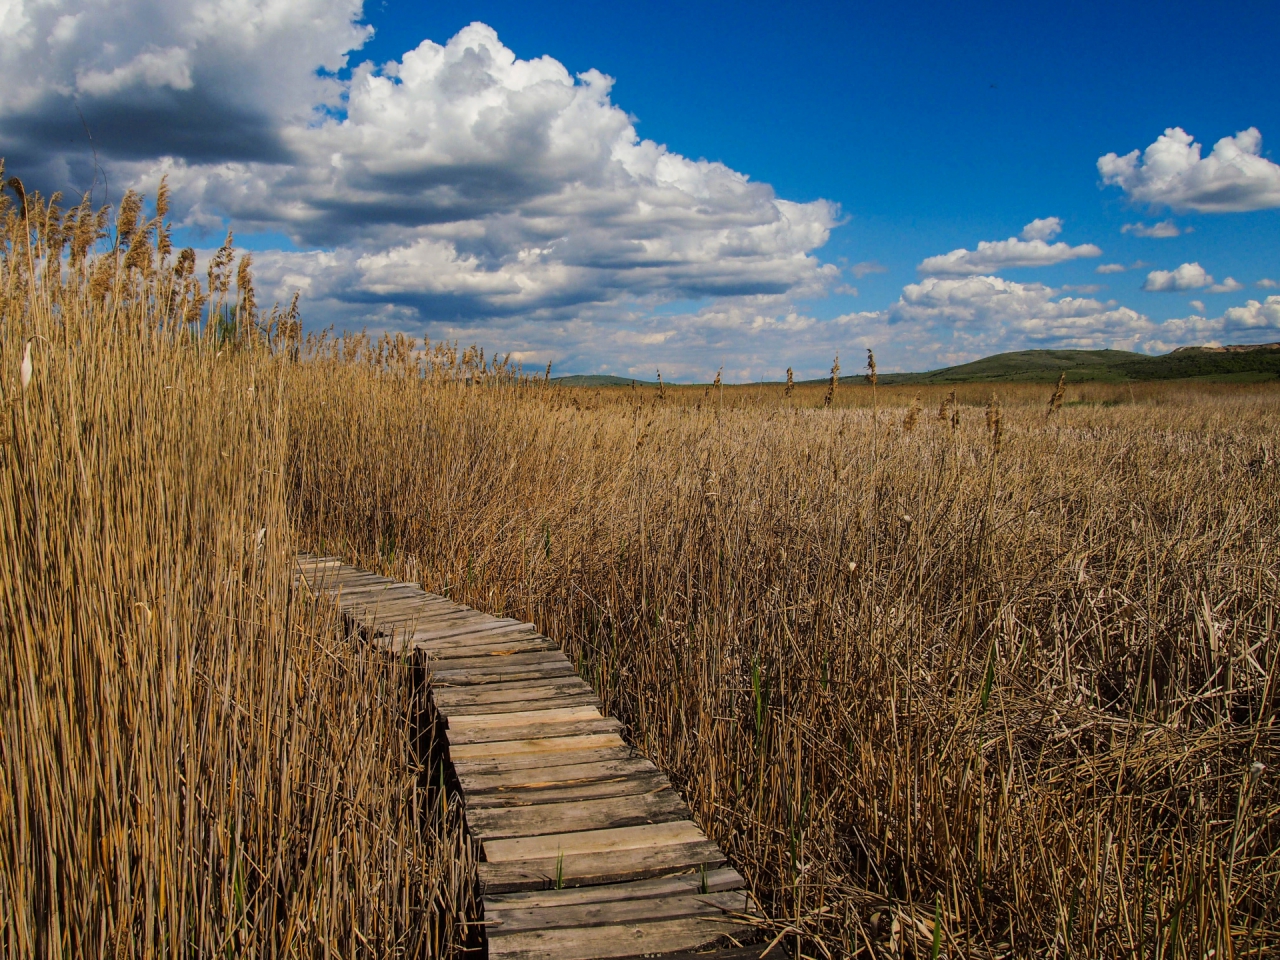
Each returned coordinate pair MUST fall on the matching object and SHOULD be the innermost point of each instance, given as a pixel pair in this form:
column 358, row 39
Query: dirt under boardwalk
column 588, row 851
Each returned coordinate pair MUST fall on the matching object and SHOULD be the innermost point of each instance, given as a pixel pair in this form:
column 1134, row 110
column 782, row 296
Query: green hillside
column 1113, row 366
column 600, row 380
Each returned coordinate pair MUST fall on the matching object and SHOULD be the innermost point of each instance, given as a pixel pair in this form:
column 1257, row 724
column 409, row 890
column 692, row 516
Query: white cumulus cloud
column 1268, row 284
column 1111, row 268
column 1171, row 173
column 1254, row 315
column 1189, row 276
column 456, row 181
column 1042, row 228
column 1031, row 250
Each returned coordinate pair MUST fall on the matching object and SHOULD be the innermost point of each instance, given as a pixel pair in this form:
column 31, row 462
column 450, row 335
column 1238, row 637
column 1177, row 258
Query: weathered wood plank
column 533, row 731
column 515, row 769
column 497, row 647
column 606, row 866
column 440, row 614
column 713, row 881
column 466, row 678
column 608, row 942
column 592, row 841
column 509, row 691
column 501, row 823
column 489, row 627
column 620, row 786
column 497, row 662
column 513, row 718
column 480, row 640
column 549, row 702
column 539, row 776
column 518, row 749
column 504, row 922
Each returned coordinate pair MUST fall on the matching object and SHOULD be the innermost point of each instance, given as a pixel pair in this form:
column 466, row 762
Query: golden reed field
column 946, row 675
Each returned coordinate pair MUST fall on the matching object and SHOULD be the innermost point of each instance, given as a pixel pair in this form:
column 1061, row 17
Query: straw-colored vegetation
column 945, row 676
column 977, row 672
column 194, row 759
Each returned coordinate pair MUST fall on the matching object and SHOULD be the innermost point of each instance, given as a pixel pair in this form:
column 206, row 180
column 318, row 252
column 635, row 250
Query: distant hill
column 600, row 380
column 1236, row 363
column 1114, row 366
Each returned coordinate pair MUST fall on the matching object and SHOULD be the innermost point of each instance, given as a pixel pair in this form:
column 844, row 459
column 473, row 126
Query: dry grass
column 935, row 694
column 195, row 759
column 911, row 680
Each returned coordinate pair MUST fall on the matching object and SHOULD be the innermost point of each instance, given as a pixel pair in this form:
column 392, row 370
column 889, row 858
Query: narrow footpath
column 587, row 851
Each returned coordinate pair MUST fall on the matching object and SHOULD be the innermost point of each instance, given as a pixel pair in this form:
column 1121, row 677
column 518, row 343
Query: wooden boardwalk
column 587, row 850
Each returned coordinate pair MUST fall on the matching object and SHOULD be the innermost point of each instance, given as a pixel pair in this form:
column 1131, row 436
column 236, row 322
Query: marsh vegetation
column 944, row 673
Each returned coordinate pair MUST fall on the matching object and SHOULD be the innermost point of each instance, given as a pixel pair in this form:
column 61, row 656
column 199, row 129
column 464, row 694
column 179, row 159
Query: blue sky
column 463, row 205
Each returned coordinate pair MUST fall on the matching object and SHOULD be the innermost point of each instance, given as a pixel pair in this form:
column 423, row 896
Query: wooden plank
column 459, row 646
column 499, row 823
column 509, row 692
column 470, row 679
column 538, row 747
column 609, row 942
column 545, row 775
column 490, row 662
column 498, row 648
column 619, row 786
column 535, row 731
column 414, row 602
column 477, row 643
column 607, row 866
column 593, row 841
column 504, row 922
column 550, row 701
column 443, row 611
column 415, row 607
column 552, row 715
column 520, row 769
column 501, row 669
column 486, row 625
column 350, row 581
column 716, row 881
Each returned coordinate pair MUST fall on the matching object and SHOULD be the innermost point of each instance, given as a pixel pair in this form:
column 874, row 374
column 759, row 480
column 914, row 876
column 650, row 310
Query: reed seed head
column 25, row 368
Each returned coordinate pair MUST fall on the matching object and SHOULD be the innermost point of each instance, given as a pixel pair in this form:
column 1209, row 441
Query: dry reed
column 195, row 758
column 996, row 687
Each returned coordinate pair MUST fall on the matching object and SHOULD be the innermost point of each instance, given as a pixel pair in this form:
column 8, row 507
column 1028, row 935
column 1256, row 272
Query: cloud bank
column 1234, row 178
column 457, row 181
